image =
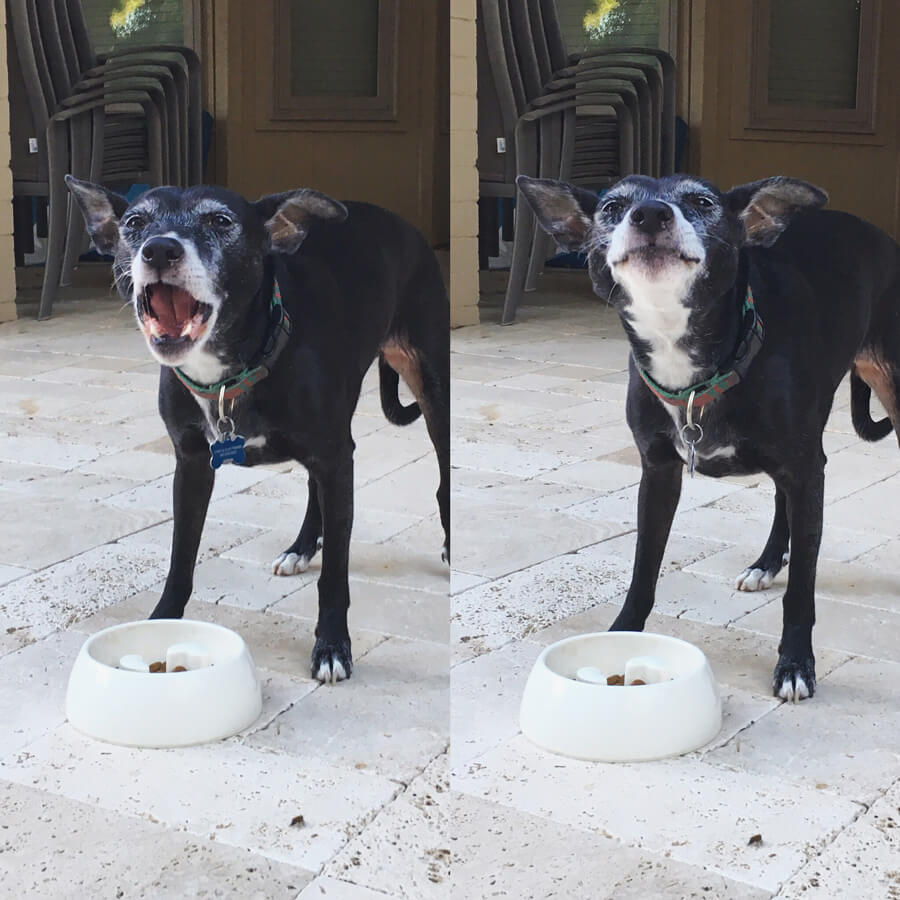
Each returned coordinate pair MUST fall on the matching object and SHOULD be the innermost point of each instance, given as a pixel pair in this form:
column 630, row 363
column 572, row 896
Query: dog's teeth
column 187, row 328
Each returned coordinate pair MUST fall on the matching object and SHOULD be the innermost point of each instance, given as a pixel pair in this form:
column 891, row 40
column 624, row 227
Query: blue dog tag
column 228, row 449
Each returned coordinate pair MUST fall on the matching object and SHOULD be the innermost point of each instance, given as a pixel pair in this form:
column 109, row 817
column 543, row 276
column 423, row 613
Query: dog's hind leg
column 331, row 657
column 872, row 371
column 297, row 557
column 657, row 501
column 760, row 574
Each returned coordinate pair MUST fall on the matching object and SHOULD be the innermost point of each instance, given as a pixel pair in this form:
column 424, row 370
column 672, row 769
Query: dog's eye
column 612, row 207
column 135, row 222
column 701, row 201
column 220, row 220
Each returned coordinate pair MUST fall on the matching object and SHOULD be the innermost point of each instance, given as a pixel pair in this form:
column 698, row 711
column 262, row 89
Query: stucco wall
column 463, row 174
column 7, row 266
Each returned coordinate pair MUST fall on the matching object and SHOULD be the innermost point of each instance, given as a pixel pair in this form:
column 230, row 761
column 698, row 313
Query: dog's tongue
column 172, row 307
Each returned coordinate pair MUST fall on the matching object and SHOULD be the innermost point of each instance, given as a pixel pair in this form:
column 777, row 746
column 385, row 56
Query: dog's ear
column 101, row 209
column 289, row 216
column 565, row 212
column 766, row 207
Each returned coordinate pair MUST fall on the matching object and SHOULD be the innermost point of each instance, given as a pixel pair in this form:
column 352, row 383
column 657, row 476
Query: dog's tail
column 395, row 412
column 866, row 427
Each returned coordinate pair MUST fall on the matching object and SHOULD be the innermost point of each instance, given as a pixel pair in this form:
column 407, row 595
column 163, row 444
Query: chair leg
column 57, row 146
column 80, row 164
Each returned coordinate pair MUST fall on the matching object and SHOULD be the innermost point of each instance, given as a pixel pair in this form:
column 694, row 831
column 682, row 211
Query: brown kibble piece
column 636, row 681
column 618, row 680
column 157, row 667
column 755, row 841
column 179, row 669
column 298, row 822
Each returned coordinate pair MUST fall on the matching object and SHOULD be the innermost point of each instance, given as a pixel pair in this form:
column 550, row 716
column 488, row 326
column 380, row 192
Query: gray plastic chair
column 70, row 130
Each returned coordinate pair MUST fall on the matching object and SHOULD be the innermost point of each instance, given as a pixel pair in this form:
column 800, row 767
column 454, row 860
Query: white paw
column 794, row 690
column 445, row 554
column 331, row 672
column 786, row 558
column 290, row 564
column 754, row 580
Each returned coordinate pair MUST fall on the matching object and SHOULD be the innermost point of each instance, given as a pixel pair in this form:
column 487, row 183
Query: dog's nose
column 652, row 217
column 161, row 252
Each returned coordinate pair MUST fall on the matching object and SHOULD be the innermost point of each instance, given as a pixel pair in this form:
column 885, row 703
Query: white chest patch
column 203, row 367
column 703, row 452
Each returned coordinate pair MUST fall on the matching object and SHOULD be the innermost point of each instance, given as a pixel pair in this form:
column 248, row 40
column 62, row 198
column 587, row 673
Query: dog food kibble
column 157, row 667
column 616, row 680
column 636, row 681
column 183, row 669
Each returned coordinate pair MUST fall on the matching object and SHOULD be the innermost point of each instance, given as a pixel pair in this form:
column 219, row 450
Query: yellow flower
column 594, row 20
column 119, row 18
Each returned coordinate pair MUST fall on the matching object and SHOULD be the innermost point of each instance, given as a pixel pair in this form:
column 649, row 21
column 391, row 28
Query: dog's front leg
column 331, row 658
column 194, row 479
column 657, row 501
column 795, row 674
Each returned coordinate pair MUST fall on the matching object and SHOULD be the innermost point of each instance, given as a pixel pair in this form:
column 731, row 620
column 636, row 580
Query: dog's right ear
column 565, row 212
column 289, row 216
column 101, row 209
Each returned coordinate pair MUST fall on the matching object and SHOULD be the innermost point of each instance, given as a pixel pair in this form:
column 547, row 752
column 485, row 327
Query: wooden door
column 799, row 87
column 339, row 95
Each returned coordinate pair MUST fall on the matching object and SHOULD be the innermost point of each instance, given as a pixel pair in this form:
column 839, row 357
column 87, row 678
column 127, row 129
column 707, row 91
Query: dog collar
column 236, row 385
column 707, row 391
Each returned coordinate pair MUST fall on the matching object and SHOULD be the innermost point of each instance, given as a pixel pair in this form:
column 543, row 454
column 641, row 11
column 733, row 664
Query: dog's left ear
column 766, row 207
column 289, row 216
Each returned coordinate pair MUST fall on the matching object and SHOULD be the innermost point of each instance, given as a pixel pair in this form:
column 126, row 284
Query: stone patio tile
column 410, row 490
column 848, row 627
column 690, row 596
column 11, row 573
column 386, row 450
column 460, row 581
column 29, row 363
column 23, row 397
column 844, row 740
column 280, row 691
column 64, row 848
column 871, row 509
column 466, row 364
column 411, row 559
column 369, row 525
column 849, row 471
column 75, row 487
column 278, row 643
column 695, row 812
column 401, row 612
column 485, row 694
column 225, row 581
column 498, row 403
column 136, row 465
column 391, row 718
column 405, row 850
column 483, row 545
column 54, row 598
column 506, row 853
column 488, row 488
column 32, row 689
column 217, row 538
column 599, row 475
column 246, row 797
column 860, row 862
column 45, row 451
column 492, row 456
column 326, row 888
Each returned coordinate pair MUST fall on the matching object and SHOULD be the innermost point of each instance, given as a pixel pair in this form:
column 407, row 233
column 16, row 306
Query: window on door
column 591, row 24
column 117, row 23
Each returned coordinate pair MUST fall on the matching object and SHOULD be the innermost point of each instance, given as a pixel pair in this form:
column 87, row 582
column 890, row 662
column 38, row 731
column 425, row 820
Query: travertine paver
column 85, row 531
column 540, row 435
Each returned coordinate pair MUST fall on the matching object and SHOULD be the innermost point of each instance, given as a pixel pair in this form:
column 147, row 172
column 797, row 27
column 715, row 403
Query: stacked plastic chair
column 131, row 117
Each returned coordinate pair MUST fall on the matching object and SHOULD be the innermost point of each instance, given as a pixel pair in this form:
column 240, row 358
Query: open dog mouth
column 172, row 316
column 655, row 255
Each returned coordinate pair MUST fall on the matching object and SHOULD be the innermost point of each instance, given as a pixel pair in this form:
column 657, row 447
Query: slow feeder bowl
column 218, row 696
column 567, row 708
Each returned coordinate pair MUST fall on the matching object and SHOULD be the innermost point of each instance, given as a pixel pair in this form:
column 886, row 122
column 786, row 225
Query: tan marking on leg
column 879, row 376
column 405, row 362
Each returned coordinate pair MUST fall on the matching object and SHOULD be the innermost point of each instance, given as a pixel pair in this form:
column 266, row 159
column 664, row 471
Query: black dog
column 265, row 317
column 744, row 311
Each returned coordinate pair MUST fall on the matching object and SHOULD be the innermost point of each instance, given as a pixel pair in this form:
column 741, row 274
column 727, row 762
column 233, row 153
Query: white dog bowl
column 678, row 709
column 111, row 699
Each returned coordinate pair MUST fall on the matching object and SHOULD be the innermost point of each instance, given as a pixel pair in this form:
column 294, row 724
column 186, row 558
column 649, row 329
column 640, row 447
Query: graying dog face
column 648, row 233
column 190, row 260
